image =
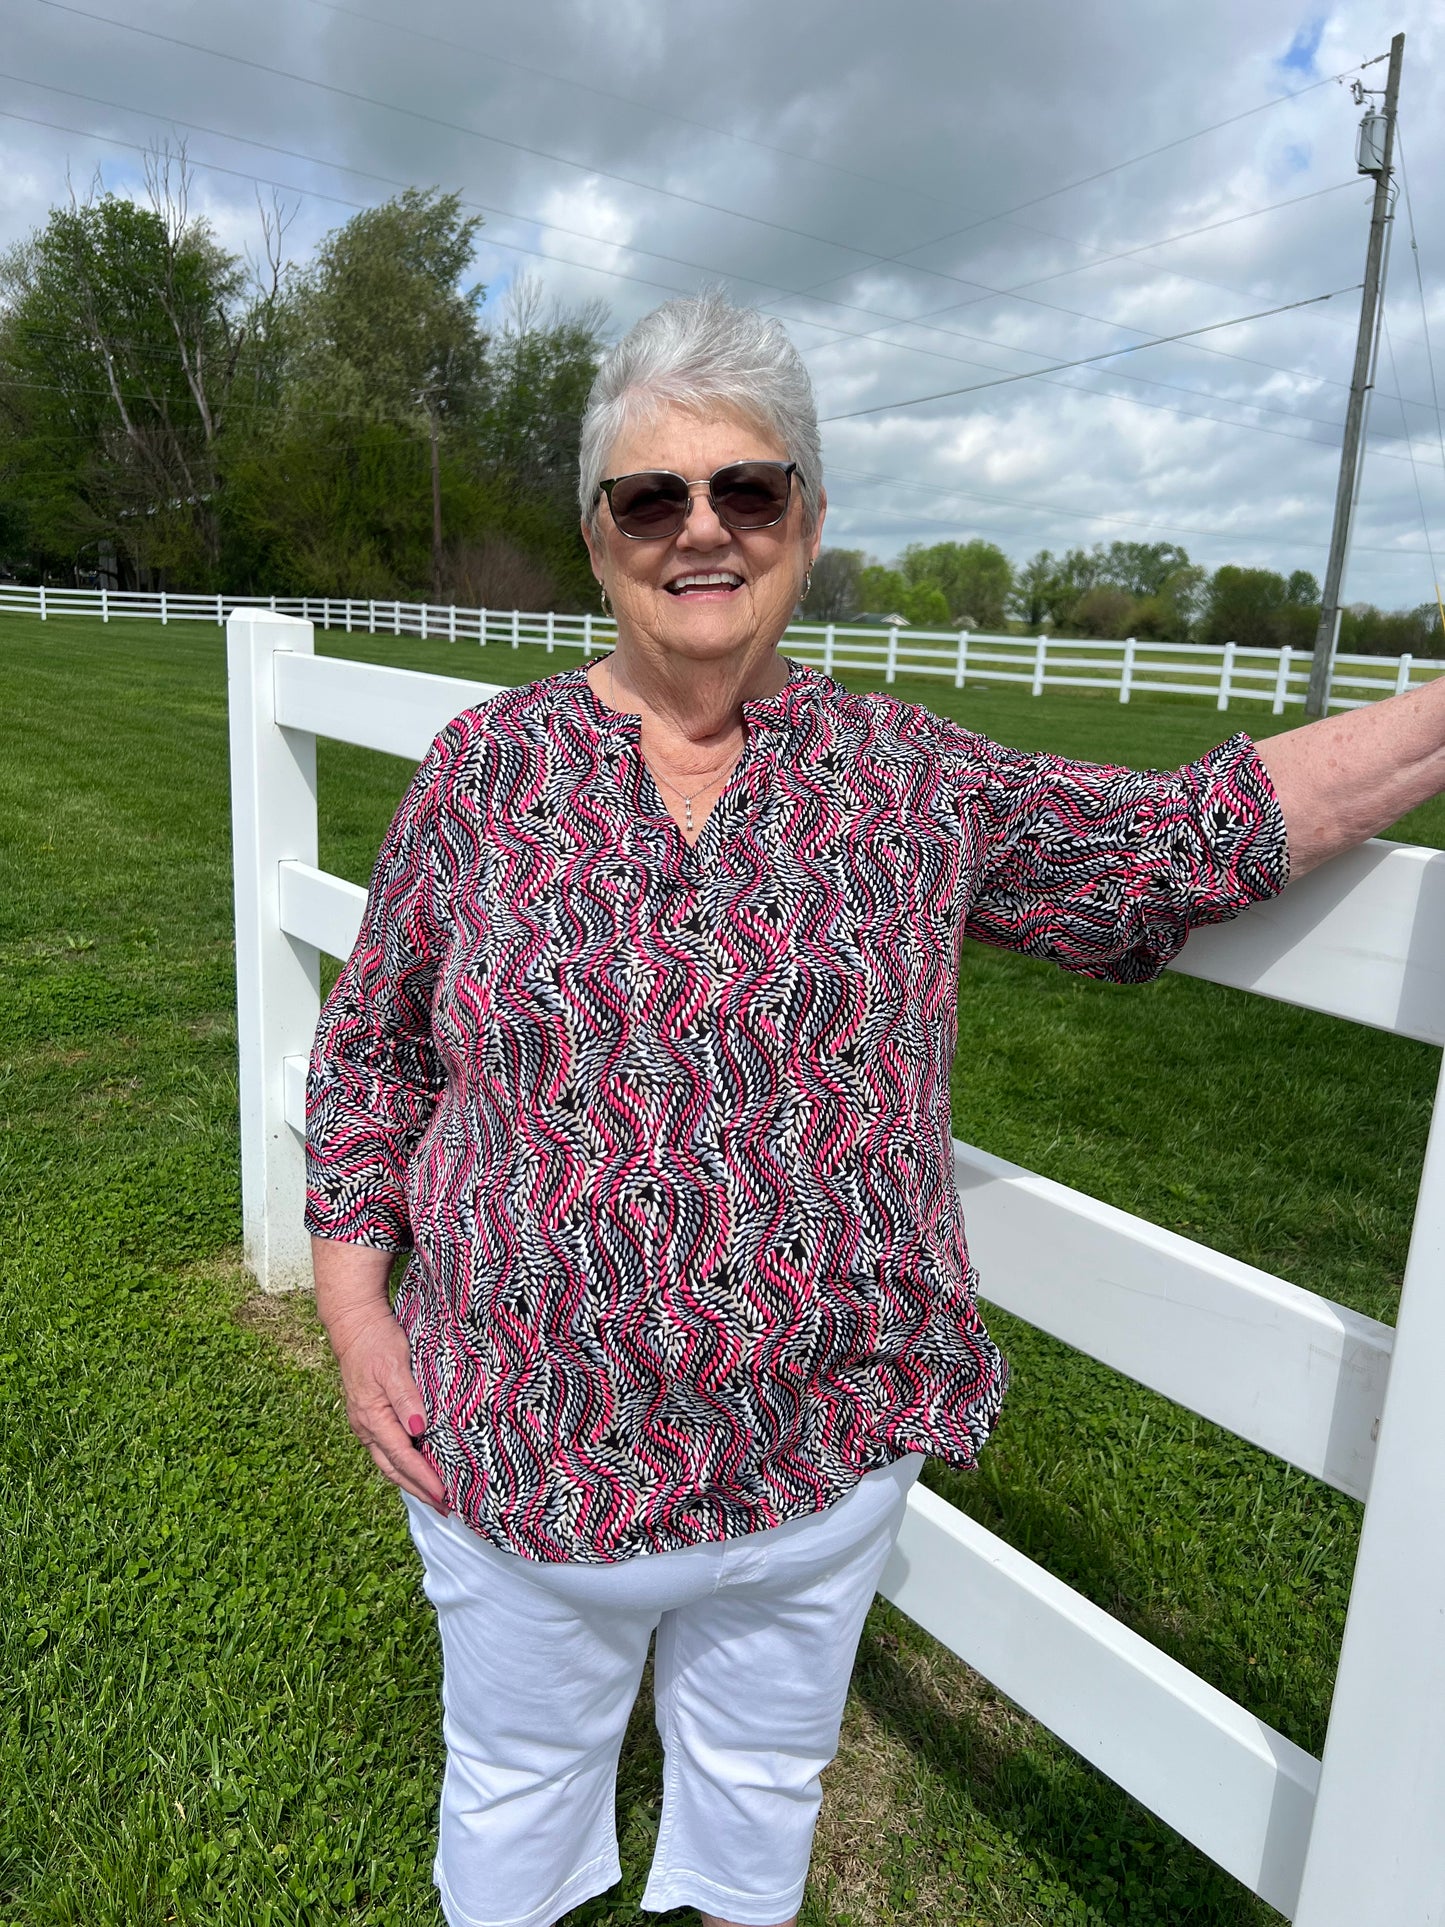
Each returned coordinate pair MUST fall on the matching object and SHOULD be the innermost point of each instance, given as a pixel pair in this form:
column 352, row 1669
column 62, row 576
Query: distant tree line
column 170, row 419
column 1146, row 589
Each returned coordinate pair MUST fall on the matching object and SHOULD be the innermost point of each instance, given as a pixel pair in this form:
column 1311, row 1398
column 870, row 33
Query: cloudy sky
column 932, row 194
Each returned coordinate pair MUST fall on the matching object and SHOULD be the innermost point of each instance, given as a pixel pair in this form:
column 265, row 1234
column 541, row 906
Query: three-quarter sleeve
column 375, row 1072
column 1105, row 871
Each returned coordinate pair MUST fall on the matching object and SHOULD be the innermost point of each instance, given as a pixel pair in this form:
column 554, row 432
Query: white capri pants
column 756, row 1639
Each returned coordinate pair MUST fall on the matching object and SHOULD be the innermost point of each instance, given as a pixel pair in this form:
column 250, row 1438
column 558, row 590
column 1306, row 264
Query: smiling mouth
column 710, row 583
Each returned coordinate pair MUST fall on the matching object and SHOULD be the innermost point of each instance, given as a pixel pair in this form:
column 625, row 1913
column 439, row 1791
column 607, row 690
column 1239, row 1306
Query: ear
column 817, row 541
column 594, row 548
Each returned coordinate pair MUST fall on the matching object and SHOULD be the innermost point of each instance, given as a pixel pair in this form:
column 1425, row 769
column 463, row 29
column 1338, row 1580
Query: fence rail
column 1352, row 1838
column 1225, row 673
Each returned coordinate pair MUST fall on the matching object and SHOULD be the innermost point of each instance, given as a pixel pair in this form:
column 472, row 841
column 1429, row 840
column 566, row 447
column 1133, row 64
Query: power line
column 613, row 273
column 67, row 6
column 491, row 56
column 1027, row 374
column 951, row 333
column 650, row 254
column 1086, row 180
column 558, row 228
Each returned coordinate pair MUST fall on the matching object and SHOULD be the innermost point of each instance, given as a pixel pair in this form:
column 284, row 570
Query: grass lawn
column 219, row 1677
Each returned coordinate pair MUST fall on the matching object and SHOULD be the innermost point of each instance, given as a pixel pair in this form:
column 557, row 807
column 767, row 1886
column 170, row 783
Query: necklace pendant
column 687, row 806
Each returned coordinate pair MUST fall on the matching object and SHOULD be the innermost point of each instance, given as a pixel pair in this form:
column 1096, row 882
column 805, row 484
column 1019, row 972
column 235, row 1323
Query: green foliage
column 926, row 606
column 1104, row 611
column 975, row 579
column 123, row 338
column 881, row 591
column 1259, row 608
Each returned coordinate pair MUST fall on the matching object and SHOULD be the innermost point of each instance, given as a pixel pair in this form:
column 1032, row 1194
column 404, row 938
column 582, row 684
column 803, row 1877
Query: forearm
column 351, row 1287
column 1352, row 775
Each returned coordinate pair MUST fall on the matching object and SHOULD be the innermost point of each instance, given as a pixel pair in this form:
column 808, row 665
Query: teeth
column 723, row 581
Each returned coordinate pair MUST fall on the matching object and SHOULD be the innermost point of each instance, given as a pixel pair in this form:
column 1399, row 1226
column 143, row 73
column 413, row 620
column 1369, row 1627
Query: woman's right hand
column 383, row 1406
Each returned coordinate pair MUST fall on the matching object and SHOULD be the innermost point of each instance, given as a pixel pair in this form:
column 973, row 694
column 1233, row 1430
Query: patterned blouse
column 667, row 1129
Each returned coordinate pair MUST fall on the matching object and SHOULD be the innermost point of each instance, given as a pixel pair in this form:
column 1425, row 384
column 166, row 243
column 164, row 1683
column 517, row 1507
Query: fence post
column 551, row 637
column 1377, row 1850
column 43, row 615
column 481, row 628
column 1281, row 682
column 371, row 609
column 452, row 622
column 1402, row 676
column 960, row 668
column 892, row 655
column 1126, row 676
column 396, row 618
column 1226, row 672
column 105, row 605
column 347, row 607
column 587, row 635
column 273, row 819
column 829, row 638
column 1040, row 654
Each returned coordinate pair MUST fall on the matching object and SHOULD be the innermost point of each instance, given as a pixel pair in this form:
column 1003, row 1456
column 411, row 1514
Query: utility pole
column 1322, row 663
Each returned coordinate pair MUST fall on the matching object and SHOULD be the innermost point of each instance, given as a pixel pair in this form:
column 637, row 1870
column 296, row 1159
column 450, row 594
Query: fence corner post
column 1126, row 674
column 273, row 820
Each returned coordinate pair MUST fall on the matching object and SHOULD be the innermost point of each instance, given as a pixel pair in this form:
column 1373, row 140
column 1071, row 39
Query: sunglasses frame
column 789, row 469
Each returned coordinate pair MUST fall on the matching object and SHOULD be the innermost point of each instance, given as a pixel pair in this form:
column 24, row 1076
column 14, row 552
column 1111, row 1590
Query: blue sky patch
column 1300, row 57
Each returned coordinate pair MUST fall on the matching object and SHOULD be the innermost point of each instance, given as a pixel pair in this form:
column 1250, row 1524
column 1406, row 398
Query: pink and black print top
column 668, row 1128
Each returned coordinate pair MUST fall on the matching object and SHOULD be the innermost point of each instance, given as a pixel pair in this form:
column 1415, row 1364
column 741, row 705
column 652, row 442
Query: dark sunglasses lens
column 649, row 504
column 751, row 495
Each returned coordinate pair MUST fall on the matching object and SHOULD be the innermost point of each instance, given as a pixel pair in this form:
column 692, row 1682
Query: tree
column 926, row 606
column 127, row 334
column 387, row 332
column 1140, row 568
column 1105, row 610
column 881, row 591
column 1261, row 609
column 975, row 579
column 834, row 595
column 1032, row 597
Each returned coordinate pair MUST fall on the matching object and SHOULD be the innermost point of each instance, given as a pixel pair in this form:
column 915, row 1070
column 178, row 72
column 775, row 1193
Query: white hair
column 702, row 353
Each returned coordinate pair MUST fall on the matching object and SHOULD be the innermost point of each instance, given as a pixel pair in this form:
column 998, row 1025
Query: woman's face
column 660, row 589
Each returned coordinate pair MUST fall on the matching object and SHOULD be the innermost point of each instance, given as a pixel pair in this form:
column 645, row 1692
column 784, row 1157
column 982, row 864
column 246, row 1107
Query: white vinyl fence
column 1224, row 672
column 1353, row 1839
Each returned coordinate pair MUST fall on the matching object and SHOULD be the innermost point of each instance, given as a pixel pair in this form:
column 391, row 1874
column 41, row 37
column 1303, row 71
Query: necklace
column 686, row 800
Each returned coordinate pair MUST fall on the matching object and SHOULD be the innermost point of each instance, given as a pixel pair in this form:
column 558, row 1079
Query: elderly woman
column 643, row 1053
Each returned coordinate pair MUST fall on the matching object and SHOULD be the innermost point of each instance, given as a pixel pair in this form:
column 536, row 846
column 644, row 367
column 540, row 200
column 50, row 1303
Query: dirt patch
column 287, row 1320
column 866, row 1804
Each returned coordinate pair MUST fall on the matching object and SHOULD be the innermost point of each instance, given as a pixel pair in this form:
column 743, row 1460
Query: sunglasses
column 654, row 503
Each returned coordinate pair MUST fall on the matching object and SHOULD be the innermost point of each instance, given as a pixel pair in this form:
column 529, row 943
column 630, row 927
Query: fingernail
column 416, row 1425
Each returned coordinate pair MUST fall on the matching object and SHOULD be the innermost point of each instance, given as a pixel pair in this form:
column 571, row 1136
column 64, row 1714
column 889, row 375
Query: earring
column 602, row 595
column 807, row 584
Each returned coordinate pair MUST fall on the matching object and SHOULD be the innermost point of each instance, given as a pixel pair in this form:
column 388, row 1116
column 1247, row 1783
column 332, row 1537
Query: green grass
column 219, row 1675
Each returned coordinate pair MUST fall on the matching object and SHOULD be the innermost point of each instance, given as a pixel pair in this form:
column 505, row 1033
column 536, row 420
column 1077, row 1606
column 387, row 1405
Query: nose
column 702, row 529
